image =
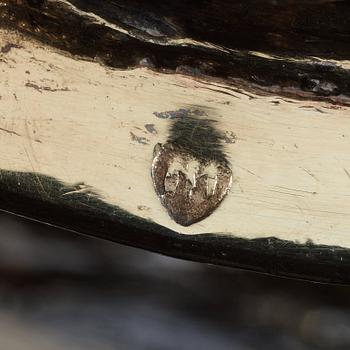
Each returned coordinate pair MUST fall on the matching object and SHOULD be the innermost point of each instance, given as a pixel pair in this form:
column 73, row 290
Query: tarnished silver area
column 190, row 188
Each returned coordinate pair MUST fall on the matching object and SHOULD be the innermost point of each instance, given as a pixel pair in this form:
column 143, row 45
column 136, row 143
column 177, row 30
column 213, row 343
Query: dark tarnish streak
column 191, row 174
column 46, row 199
column 222, row 40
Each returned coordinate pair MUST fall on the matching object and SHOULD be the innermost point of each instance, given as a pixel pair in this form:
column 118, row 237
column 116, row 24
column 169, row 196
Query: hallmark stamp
column 190, row 172
column 189, row 188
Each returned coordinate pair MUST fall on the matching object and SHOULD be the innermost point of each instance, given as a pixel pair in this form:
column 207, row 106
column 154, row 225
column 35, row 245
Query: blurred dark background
column 60, row 290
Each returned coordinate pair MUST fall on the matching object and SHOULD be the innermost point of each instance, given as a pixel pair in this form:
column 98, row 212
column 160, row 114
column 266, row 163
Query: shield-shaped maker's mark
column 189, row 187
